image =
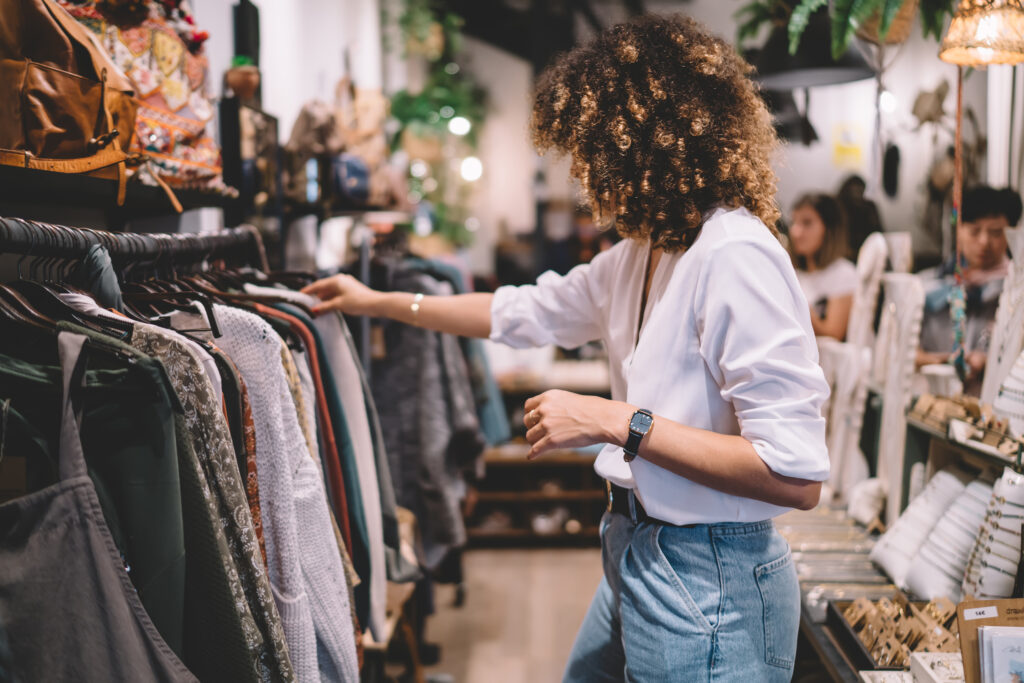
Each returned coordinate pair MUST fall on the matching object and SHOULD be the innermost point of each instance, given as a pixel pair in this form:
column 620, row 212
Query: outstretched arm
column 466, row 315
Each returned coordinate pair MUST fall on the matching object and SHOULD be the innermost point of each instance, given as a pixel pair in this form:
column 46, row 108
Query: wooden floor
column 522, row 611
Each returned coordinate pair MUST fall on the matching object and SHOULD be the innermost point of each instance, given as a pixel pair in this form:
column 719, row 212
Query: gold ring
column 532, row 416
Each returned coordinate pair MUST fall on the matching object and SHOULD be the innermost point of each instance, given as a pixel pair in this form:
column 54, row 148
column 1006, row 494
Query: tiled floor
column 522, row 611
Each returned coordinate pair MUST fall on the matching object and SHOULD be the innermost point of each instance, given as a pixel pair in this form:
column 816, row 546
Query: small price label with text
column 989, row 612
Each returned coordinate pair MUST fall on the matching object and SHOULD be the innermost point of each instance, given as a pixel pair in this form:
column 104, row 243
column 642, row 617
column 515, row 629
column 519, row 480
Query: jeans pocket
column 674, row 572
column 780, row 597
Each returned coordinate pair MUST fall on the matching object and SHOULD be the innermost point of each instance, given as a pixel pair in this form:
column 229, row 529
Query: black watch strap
column 632, row 447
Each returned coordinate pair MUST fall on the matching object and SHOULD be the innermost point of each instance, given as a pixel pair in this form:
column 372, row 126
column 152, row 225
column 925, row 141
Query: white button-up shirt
column 725, row 345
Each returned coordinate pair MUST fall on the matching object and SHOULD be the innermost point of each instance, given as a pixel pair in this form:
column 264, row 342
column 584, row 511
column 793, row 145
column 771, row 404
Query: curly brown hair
column 662, row 123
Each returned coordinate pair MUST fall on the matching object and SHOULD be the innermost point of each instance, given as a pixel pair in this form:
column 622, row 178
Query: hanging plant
column 878, row 21
column 870, row 19
column 439, row 125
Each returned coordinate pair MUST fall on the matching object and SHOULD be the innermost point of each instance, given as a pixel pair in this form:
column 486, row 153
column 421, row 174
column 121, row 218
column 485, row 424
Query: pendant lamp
column 812, row 65
column 982, row 32
column 985, row 32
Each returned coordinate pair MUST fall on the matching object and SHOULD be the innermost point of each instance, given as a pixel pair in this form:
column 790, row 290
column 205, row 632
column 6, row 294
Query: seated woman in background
column 987, row 212
column 817, row 245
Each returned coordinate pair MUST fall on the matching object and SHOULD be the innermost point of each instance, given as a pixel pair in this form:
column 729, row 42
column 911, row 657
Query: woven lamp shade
column 985, row 32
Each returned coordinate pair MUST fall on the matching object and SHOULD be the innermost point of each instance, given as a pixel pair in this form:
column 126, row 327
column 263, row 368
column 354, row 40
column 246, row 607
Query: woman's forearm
column 466, row 315
column 723, row 462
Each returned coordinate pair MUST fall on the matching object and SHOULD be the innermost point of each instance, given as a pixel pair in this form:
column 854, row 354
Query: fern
column 846, row 17
column 933, row 16
column 799, row 19
column 751, row 17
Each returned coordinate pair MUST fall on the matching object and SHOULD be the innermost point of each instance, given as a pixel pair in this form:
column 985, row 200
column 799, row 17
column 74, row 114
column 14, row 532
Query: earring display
column 883, row 634
column 937, row 667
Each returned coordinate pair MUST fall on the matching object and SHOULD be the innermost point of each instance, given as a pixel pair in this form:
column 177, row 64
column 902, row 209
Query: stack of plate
column 897, row 548
column 938, row 568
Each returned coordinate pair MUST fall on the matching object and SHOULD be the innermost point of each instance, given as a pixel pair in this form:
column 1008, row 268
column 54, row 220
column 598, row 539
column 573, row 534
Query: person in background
column 987, row 212
column 862, row 217
column 817, row 245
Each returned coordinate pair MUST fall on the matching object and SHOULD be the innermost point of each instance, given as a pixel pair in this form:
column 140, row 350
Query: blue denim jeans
column 711, row 602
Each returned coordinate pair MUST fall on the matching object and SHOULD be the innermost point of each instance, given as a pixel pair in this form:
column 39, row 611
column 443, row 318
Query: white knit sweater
column 353, row 403
column 305, row 566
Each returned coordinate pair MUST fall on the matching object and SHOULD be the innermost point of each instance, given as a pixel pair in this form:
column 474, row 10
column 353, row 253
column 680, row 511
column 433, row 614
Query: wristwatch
column 639, row 425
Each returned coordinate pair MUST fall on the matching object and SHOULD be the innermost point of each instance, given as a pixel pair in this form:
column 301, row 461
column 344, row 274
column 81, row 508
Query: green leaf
column 798, row 21
column 846, row 17
column 889, row 11
column 751, row 17
column 933, row 16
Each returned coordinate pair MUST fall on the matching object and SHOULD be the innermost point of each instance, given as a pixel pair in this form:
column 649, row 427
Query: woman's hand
column 345, row 294
column 560, row 419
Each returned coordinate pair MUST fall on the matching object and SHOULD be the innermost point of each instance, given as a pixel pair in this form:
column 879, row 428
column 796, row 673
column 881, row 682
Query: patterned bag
column 161, row 53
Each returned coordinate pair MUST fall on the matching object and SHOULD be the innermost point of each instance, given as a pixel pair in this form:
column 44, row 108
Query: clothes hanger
column 42, row 296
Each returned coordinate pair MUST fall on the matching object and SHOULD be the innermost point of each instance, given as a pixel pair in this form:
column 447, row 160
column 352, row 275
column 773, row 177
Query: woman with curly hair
column 714, row 426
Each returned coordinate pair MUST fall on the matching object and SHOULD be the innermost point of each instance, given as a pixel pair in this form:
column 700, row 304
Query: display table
column 835, row 661
column 821, row 539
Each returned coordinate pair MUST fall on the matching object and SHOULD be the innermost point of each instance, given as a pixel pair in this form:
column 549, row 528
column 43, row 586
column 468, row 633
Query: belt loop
column 632, row 506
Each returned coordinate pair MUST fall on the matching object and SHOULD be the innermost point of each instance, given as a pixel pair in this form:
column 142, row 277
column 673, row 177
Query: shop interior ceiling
column 549, row 25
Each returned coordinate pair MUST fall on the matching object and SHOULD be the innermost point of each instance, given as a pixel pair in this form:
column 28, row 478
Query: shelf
column 587, row 535
column 978, row 457
column 26, row 186
column 515, row 455
column 837, row 663
column 540, row 496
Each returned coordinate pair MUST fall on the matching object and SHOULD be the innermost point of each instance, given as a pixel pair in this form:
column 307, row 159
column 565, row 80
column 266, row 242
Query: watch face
column 641, row 423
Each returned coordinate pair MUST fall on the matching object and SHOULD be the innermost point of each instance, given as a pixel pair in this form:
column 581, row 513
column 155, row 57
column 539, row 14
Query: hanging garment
column 128, row 438
column 243, row 436
column 428, row 418
column 490, row 405
column 64, row 617
column 311, row 383
column 95, row 274
column 345, row 462
column 346, row 372
column 262, row 625
column 248, row 609
column 305, row 566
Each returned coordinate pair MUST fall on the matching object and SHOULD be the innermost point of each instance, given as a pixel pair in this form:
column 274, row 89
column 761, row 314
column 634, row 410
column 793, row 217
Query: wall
column 504, row 199
column 303, row 43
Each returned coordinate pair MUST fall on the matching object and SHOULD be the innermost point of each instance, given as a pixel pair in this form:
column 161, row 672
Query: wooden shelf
column 539, row 496
column 27, row 186
column 518, row 534
column 929, row 436
column 515, row 454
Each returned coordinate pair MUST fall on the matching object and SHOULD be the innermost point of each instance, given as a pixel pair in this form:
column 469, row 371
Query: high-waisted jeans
column 710, row 602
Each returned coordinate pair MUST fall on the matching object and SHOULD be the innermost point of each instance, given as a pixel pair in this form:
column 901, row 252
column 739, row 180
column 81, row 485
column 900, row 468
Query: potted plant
column 243, row 78
column 877, row 21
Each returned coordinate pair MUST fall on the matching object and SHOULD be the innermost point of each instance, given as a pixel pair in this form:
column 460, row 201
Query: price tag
column 989, row 612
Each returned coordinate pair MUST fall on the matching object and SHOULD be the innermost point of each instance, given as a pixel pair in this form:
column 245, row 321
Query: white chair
column 846, row 368
column 901, row 251
column 870, row 266
column 895, row 351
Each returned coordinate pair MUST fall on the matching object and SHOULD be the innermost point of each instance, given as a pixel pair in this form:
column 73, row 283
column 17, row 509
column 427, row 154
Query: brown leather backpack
column 64, row 105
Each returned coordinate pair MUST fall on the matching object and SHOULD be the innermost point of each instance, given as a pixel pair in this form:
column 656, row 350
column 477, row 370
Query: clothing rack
column 366, row 235
column 33, row 238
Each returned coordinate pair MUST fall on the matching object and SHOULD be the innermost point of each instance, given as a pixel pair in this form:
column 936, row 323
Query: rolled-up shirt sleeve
column 755, row 336
column 560, row 310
